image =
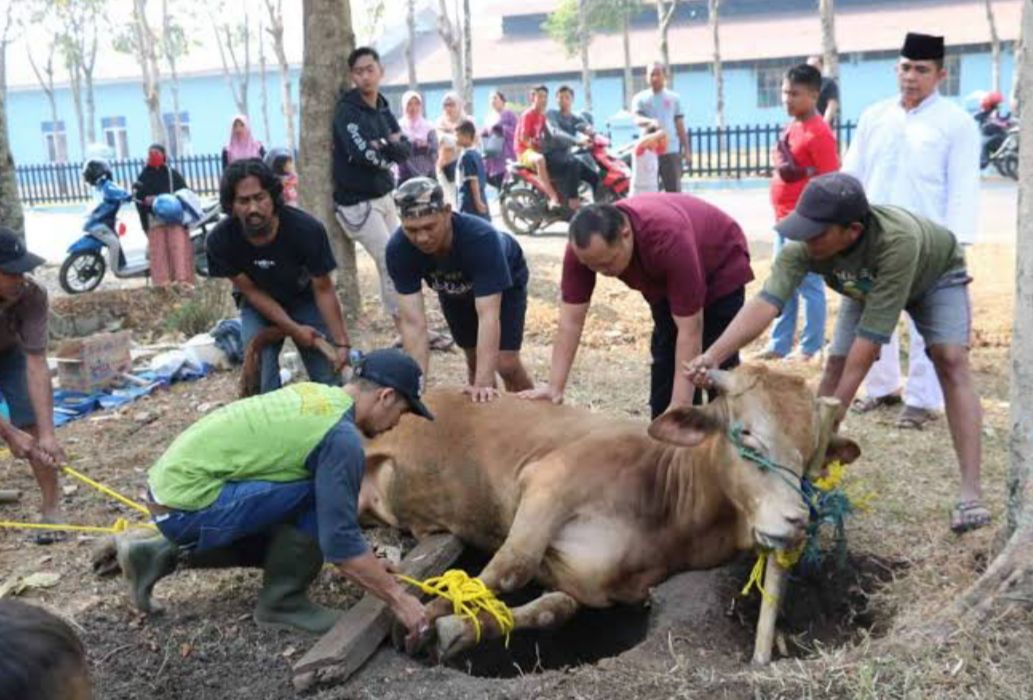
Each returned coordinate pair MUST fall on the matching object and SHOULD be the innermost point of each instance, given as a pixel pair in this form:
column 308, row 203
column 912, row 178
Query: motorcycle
column 84, row 268
column 996, row 131
column 1006, row 157
column 525, row 207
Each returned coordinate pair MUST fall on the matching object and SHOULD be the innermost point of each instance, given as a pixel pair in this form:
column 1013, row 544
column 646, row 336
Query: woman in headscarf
column 501, row 125
column 422, row 137
column 241, row 144
column 168, row 244
column 452, row 115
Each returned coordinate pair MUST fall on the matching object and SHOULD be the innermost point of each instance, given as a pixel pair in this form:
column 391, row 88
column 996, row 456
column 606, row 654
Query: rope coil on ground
column 468, row 596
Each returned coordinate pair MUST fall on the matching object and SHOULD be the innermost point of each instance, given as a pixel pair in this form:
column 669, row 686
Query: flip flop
column 914, row 418
column 969, row 515
column 871, row 403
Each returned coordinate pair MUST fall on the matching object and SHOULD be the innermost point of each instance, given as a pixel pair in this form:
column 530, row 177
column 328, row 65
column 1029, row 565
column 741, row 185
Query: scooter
column 84, row 268
column 1006, row 157
column 525, row 206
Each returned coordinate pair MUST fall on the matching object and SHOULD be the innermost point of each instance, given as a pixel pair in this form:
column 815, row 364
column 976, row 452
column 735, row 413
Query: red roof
column 742, row 39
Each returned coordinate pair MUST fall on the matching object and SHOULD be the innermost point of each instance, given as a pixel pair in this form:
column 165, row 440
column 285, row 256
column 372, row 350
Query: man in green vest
column 273, row 481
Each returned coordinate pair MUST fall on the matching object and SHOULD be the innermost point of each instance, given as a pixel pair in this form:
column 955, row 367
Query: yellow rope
column 757, row 577
column 468, row 596
column 121, row 525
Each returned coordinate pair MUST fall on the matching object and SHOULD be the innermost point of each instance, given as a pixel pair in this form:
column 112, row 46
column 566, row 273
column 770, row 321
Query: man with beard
column 279, row 260
column 274, row 481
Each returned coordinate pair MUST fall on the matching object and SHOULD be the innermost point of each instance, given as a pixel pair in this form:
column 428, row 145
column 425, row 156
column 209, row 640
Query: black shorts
column 461, row 315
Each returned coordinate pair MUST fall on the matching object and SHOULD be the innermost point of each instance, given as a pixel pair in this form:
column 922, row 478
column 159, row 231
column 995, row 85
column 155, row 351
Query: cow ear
column 842, row 449
column 687, row 426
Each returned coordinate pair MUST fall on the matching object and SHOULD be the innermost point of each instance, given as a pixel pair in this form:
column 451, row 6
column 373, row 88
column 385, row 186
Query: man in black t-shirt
column 481, row 279
column 279, row 259
column 828, row 96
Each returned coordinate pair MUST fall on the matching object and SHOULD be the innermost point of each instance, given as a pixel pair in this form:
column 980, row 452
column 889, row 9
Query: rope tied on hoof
column 469, row 596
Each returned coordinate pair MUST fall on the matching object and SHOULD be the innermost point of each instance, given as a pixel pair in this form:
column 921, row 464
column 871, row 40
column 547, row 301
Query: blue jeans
column 304, row 312
column 243, row 509
column 14, row 387
column 812, row 289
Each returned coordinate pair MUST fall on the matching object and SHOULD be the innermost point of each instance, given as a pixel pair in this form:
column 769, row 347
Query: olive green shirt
column 899, row 257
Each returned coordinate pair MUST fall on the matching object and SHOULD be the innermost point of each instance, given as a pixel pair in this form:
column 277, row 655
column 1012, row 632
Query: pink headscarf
column 245, row 146
column 418, row 128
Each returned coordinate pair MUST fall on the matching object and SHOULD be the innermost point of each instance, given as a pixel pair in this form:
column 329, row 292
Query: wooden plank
column 356, row 636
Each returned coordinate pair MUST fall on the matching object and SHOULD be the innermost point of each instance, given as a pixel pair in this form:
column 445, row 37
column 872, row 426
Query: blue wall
column 211, row 108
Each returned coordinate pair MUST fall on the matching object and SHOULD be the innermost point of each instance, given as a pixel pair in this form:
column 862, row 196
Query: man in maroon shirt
column 688, row 259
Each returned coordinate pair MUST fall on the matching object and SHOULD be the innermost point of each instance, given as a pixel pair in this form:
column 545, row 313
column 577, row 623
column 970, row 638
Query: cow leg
column 456, row 634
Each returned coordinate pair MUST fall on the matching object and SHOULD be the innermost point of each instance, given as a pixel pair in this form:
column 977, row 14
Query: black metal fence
column 730, row 152
column 56, row 183
column 743, row 151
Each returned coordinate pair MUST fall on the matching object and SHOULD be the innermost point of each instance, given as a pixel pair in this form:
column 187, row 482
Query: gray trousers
column 670, row 172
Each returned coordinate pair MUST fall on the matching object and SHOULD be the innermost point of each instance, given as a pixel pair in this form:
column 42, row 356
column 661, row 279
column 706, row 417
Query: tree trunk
column 583, row 39
column 450, row 36
column 89, row 62
column 995, row 48
column 45, row 77
column 11, row 214
column 629, row 81
column 719, row 79
column 75, row 81
column 147, row 54
column 410, row 43
column 467, row 58
column 276, row 32
column 237, row 76
column 1008, row 581
column 830, row 53
column 328, row 41
column 264, row 89
column 664, row 15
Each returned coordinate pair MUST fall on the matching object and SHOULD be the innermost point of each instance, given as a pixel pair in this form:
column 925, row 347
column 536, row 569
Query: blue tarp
column 73, row 405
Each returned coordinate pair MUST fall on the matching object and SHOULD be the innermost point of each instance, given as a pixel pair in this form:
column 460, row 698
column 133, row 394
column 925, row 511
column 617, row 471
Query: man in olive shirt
column 274, row 481
column 883, row 260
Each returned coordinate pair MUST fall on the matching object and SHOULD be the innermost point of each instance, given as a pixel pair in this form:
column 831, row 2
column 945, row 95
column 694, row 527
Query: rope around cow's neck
column 799, row 483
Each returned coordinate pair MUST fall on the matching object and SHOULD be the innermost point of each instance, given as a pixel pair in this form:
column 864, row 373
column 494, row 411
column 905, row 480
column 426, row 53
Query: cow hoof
column 454, row 636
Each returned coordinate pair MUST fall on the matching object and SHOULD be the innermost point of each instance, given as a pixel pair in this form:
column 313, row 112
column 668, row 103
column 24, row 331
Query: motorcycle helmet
column 991, row 100
column 277, row 158
column 95, row 171
column 168, row 209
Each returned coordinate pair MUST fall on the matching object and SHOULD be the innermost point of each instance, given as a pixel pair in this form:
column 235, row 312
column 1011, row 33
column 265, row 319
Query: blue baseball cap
column 394, row 369
column 832, row 198
column 14, row 258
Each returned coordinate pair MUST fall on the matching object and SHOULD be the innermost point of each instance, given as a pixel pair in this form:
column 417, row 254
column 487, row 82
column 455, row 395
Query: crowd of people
column 273, row 481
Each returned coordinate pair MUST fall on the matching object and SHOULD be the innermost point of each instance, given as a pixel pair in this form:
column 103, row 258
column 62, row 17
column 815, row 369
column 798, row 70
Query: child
column 645, row 166
column 472, row 179
column 281, row 162
column 97, row 173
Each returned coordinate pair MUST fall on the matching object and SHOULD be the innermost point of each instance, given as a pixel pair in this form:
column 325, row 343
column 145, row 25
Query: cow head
column 774, row 416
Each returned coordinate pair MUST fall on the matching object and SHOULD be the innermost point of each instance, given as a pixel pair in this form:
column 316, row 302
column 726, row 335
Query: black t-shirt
column 829, row 91
column 282, row 269
column 481, row 262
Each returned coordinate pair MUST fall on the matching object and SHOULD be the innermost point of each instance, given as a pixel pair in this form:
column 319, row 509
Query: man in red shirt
column 688, row 259
column 805, row 149
column 530, row 133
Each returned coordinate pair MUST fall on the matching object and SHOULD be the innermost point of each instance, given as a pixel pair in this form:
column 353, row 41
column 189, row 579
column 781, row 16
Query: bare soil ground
column 693, row 641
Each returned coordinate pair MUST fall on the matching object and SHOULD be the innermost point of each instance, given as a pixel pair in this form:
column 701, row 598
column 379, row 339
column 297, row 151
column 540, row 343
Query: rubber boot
column 246, row 553
column 144, row 563
column 291, row 565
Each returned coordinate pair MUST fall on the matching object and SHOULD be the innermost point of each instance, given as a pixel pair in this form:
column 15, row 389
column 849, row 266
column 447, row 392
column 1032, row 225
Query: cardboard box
column 95, row 362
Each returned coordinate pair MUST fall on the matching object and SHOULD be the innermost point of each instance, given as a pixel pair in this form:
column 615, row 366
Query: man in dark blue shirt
column 279, row 259
column 481, row 279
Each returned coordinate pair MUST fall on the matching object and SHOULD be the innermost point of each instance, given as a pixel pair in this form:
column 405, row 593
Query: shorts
column 528, row 157
column 461, row 315
column 943, row 315
column 15, row 387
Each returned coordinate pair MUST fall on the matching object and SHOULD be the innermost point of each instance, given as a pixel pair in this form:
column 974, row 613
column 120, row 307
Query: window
column 55, row 141
column 951, row 85
column 115, row 136
column 178, row 143
column 518, row 95
column 769, row 86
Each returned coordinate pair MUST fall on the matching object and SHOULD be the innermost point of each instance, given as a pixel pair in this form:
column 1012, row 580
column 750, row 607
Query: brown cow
column 596, row 508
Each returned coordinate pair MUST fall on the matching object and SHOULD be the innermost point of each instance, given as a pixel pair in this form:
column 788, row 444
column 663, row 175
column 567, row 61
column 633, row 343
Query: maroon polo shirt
column 686, row 251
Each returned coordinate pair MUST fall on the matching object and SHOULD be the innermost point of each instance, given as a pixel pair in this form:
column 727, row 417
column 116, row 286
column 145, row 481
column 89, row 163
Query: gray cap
column 833, row 198
column 419, row 196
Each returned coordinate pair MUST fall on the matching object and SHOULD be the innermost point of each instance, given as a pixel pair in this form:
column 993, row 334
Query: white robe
column 925, row 160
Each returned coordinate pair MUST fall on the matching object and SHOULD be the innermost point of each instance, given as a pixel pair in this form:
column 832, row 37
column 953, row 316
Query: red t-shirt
column 686, row 251
column 529, row 131
column 813, row 146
